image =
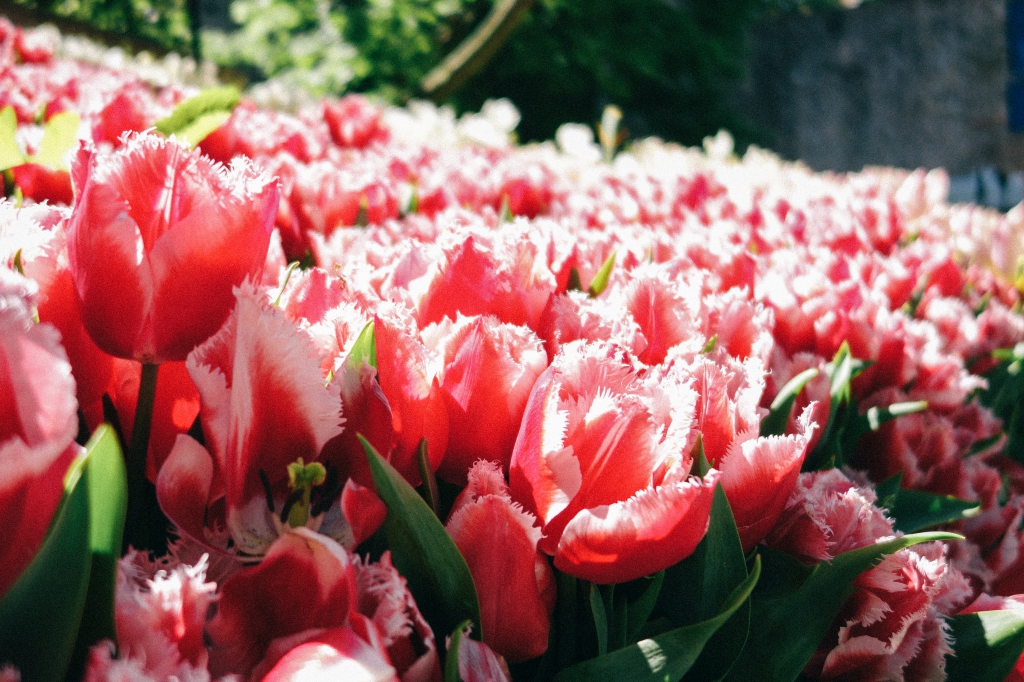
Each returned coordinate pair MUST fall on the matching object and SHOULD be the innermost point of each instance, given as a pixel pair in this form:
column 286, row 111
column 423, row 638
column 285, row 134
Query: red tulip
column 38, row 424
column 157, row 239
column 514, row 582
column 254, row 610
column 385, row 601
column 601, row 463
column 408, row 379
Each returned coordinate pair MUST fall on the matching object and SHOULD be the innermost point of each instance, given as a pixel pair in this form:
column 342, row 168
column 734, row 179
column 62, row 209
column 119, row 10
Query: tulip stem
column 142, row 528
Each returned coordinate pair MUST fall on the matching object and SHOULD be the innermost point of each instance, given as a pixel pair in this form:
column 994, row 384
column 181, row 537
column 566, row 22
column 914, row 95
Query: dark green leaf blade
column 805, row 613
column 108, row 504
column 423, row 552
column 914, row 510
column 641, row 606
column 41, row 613
column 986, row 646
column 696, row 587
column 666, row 657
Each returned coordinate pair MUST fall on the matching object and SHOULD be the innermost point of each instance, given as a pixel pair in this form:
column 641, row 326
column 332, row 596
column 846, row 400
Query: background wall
column 896, row 82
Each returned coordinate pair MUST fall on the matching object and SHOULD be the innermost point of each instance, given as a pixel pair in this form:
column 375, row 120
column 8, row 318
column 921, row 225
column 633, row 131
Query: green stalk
column 143, row 529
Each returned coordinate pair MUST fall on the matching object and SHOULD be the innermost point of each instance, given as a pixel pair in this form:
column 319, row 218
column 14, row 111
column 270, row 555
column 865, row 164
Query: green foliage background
column 668, row 64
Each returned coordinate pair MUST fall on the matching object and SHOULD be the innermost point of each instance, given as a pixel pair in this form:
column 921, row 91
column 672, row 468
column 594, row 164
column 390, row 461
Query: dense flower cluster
column 580, row 351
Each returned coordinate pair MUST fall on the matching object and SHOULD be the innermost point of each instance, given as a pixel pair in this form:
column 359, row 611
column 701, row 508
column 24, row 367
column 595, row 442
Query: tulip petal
column 183, row 486
column 650, row 531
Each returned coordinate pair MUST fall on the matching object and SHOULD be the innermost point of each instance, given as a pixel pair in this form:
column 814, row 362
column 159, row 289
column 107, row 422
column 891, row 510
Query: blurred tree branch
column 475, row 51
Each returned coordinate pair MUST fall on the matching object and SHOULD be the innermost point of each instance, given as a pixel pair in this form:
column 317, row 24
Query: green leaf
column 189, row 112
column 695, row 588
column 914, row 510
column 10, row 153
column 887, row 490
column 665, row 657
column 364, row 350
column 774, row 424
column 196, row 131
column 986, row 646
column 423, row 552
column 574, row 283
column 597, row 609
column 451, row 663
column 600, row 281
column 643, row 604
column 430, row 492
column 108, row 503
column 59, row 137
column 804, row 613
column 41, row 613
column 876, row 416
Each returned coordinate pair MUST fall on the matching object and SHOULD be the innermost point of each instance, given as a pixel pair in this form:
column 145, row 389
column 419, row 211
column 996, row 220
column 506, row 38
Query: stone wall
column 893, row 82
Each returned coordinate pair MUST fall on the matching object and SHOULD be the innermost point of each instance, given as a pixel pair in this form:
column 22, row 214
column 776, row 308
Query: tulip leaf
column 914, row 510
column 986, row 646
column 600, row 281
column 59, row 137
column 774, row 424
column 597, row 609
column 574, row 283
column 364, row 350
column 667, row 656
column 108, row 503
column 844, row 426
column 643, row 604
column 423, row 552
column 189, row 112
column 41, row 613
column 451, row 663
column 10, row 153
column 802, row 606
column 196, row 131
column 695, row 587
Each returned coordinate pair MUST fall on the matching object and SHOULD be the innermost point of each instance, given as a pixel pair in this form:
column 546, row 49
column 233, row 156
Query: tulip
column 157, row 239
column 489, row 370
column 602, row 466
column 38, row 423
column 160, row 612
column 514, row 582
column 264, row 407
column 254, row 610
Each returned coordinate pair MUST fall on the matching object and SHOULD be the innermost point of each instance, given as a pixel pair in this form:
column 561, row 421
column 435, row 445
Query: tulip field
column 360, row 392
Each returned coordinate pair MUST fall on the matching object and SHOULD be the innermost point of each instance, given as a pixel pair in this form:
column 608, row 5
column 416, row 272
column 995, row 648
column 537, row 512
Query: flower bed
column 399, row 399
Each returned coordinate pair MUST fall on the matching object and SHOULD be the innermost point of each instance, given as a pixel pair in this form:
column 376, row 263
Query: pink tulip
column 38, row 424
column 489, row 370
column 329, row 655
column 601, row 464
column 157, row 239
column 264, row 406
column 160, row 613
